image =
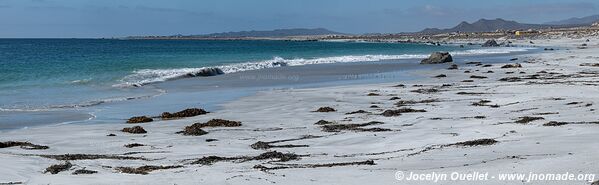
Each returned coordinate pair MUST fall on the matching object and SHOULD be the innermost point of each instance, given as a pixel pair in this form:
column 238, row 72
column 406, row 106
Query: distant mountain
column 484, row 25
column 588, row 20
column 273, row 33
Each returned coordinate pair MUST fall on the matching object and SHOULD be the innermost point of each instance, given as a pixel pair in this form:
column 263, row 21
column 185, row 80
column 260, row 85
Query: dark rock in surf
column 207, row 72
column 490, row 43
column 437, row 58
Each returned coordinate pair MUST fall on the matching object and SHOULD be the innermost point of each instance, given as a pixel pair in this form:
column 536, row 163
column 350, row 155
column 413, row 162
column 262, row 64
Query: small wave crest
column 78, row 105
column 149, row 76
column 81, row 82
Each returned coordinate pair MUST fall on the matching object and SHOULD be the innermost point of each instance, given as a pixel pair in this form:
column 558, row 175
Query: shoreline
column 318, row 75
column 439, row 139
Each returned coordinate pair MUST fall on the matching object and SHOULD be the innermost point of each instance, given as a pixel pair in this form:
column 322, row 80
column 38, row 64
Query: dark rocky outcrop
column 323, row 122
column 437, row 58
column 193, row 130
column 184, row 113
column 490, row 43
column 207, row 72
column 23, row 145
column 219, row 123
column 57, row 168
column 325, row 109
column 139, row 119
column 135, row 130
column 453, row 67
column 516, row 65
column 196, row 128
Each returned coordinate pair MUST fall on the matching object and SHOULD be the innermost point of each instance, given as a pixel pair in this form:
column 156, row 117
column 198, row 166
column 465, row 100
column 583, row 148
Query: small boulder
column 437, row 58
column 208, row 72
column 193, row 130
column 453, row 67
column 325, row 109
column 490, row 43
column 135, row 130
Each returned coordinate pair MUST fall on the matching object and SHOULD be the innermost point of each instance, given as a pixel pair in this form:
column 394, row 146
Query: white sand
column 287, row 114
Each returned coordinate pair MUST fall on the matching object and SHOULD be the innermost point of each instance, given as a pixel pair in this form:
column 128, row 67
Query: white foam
column 148, row 76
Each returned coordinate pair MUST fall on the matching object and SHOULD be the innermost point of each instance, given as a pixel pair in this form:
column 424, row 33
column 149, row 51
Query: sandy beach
column 535, row 113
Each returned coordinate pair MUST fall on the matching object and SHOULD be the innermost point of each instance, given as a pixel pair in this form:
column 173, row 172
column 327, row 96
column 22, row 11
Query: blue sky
column 114, row 18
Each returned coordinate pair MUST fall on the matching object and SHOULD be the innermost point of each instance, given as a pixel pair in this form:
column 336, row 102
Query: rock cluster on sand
column 490, row 43
column 437, row 58
column 135, row 130
column 57, row 168
column 196, row 128
column 184, row 113
column 325, row 109
column 453, row 67
column 23, row 145
column 516, row 65
column 140, row 119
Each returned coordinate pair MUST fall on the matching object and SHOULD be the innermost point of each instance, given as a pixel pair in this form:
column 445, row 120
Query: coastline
column 287, row 113
column 245, row 79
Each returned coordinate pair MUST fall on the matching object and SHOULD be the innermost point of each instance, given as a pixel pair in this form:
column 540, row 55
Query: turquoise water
column 65, row 74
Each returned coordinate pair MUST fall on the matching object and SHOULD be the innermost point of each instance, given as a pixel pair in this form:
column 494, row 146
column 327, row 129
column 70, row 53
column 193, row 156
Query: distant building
column 527, row 32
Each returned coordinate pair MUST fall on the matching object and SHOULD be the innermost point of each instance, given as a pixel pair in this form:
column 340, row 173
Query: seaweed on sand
column 84, row 171
column 133, row 145
column 412, row 102
column 23, row 145
column 555, row 123
column 57, row 168
column 73, row 157
column 325, row 109
column 470, row 143
column 279, row 156
column 397, row 112
column 144, row 170
column 354, row 127
column 528, row 119
column 325, row 165
column 358, row 112
column 426, row 91
column 267, row 145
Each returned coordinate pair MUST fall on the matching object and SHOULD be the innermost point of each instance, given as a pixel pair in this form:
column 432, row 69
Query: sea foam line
column 149, row 76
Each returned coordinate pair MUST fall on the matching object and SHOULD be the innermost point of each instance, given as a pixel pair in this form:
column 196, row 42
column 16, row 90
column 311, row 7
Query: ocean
column 50, row 81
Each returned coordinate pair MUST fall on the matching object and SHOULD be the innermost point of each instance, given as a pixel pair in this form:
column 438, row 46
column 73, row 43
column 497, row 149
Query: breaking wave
column 149, row 76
